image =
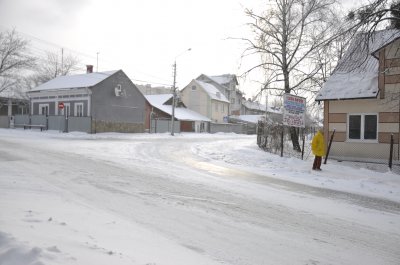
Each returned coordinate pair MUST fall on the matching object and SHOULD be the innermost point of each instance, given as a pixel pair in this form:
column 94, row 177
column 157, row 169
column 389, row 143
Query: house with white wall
column 160, row 114
column 205, row 98
column 227, row 84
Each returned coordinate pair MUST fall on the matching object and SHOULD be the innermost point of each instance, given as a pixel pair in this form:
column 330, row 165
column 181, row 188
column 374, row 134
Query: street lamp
column 174, row 93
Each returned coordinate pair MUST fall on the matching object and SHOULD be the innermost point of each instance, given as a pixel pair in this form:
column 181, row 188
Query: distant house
column 153, row 90
column 110, row 99
column 227, row 84
column 160, row 115
column 205, row 98
column 361, row 98
column 252, row 107
column 13, row 103
column 253, row 111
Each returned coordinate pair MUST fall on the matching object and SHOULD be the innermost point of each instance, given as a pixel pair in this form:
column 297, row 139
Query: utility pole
column 174, row 93
column 266, row 106
column 62, row 61
column 55, row 73
column 173, row 101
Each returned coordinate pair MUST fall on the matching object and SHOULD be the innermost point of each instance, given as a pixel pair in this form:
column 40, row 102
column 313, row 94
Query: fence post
column 283, row 128
column 391, row 152
column 302, row 149
column 66, row 123
column 47, row 121
column 329, row 147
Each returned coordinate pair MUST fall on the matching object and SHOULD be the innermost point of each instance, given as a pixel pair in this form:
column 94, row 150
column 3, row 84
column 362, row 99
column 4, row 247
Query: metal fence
column 164, row 125
column 276, row 139
column 228, row 128
column 51, row 122
column 4, row 122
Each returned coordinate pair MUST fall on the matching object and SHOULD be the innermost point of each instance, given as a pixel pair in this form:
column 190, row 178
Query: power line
column 41, row 52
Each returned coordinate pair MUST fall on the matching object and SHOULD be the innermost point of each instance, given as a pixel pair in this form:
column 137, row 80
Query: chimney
column 89, row 69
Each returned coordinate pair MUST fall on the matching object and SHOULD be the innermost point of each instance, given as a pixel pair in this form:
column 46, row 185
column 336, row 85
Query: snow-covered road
column 112, row 199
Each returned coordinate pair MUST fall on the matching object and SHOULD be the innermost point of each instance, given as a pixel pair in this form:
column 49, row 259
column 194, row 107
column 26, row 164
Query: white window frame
column 41, row 106
column 362, row 128
column 76, row 105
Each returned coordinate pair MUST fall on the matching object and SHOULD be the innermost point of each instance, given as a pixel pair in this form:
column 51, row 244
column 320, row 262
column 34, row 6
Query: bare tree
column 14, row 59
column 53, row 65
column 288, row 36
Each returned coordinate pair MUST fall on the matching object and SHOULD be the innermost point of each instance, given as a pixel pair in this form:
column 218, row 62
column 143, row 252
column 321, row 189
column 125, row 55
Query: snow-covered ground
column 154, row 199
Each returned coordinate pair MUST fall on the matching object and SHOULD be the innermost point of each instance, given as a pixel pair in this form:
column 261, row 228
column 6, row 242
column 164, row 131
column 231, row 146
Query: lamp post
column 174, row 94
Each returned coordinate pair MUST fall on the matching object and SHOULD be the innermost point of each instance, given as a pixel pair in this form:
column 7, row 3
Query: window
column 78, row 109
column 22, row 110
column 43, row 109
column 194, row 88
column 362, row 126
column 232, row 100
column 216, row 106
column 370, row 127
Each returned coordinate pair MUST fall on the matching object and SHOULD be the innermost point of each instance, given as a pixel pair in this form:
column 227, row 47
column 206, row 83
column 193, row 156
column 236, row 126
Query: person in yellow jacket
column 318, row 149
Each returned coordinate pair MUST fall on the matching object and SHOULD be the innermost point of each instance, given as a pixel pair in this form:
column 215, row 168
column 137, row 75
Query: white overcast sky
column 141, row 37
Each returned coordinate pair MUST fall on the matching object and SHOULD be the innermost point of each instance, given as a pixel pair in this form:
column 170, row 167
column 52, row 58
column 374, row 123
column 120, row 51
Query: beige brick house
column 205, row 98
column 361, row 99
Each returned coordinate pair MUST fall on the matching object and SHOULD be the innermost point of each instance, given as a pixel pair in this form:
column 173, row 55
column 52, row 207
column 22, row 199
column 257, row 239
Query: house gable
column 117, row 98
column 357, row 73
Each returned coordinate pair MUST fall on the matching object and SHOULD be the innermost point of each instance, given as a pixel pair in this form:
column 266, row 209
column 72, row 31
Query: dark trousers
column 317, row 162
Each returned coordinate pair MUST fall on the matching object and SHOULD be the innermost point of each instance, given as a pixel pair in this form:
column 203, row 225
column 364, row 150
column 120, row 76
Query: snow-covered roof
column 182, row 114
column 356, row 75
column 212, row 91
column 254, row 105
column 223, row 79
column 75, row 81
column 247, row 118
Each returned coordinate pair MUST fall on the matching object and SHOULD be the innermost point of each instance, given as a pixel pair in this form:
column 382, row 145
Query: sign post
column 61, row 105
column 294, row 111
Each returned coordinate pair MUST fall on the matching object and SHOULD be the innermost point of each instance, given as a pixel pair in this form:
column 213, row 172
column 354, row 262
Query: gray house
column 109, row 100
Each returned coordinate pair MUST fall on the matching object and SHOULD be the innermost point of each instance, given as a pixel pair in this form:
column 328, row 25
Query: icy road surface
column 154, row 200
